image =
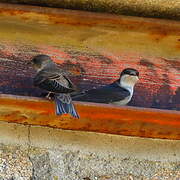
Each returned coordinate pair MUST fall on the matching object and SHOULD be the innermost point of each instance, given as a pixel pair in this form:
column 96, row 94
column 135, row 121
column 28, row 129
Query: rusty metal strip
column 108, row 119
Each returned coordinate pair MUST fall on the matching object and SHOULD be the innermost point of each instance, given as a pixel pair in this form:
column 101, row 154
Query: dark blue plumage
column 106, row 94
column 64, row 107
column 119, row 92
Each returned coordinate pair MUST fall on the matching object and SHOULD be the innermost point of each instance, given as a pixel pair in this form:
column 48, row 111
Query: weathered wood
column 95, row 46
column 94, row 117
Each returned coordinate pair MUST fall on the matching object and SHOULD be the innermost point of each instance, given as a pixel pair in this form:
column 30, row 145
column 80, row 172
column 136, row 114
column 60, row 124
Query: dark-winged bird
column 119, row 92
column 54, row 80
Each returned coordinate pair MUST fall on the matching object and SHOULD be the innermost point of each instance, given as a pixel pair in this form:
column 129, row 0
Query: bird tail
column 64, row 105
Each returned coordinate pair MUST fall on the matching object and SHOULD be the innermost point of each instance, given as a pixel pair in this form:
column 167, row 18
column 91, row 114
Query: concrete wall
column 29, row 152
column 147, row 8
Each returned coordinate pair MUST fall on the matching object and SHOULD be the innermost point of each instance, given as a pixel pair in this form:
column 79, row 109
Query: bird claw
column 48, row 96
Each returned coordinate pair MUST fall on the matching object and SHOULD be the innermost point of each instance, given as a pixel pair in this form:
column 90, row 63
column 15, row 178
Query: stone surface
column 14, row 163
column 78, row 165
column 51, row 154
column 106, row 144
column 148, row 8
column 44, row 164
column 41, row 164
column 19, row 134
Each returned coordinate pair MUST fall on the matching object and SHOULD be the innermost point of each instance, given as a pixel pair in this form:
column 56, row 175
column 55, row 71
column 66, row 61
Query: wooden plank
column 94, row 117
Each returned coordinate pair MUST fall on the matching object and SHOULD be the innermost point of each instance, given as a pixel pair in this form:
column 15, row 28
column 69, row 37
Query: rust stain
column 158, row 36
column 90, row 53
column 147, row 63
column 77, row 18
column 178, row 45
column 94, row 117
column 159, row 77
column 75, row 69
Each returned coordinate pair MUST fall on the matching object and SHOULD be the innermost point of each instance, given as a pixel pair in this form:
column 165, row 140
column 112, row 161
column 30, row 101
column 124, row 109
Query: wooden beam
column 94, row 117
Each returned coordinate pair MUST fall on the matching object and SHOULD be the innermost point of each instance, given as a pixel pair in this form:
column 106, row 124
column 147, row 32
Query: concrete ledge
column 122, row 146
column 13, row 134
column 106, row 145
column 31, row 152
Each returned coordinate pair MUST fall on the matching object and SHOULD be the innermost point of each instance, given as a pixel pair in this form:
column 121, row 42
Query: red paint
column 159, row 77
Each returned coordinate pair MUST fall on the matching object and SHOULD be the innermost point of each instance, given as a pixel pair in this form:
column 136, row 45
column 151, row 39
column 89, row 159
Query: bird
column 119, row 92
column 54, row 80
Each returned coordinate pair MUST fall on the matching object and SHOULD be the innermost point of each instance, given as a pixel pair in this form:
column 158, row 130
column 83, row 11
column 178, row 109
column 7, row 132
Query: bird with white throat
column 119, row 92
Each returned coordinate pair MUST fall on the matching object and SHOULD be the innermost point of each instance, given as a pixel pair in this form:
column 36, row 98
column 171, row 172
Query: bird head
column 129, row 77
column 40, row 61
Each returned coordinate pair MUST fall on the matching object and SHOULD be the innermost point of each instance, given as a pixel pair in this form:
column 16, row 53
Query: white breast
column 122, row 102
column 126, row 100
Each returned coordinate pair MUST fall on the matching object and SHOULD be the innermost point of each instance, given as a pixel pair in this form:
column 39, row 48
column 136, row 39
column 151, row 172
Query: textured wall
column 148, row 8
column 37, row 153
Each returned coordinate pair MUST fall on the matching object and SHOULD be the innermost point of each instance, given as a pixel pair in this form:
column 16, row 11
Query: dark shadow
column 176, row 100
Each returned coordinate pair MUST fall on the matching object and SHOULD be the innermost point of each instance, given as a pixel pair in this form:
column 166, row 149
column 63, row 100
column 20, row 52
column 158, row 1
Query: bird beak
column 137, row 78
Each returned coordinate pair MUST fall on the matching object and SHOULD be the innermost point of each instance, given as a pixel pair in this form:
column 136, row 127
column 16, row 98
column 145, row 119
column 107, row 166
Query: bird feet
column 48, row 96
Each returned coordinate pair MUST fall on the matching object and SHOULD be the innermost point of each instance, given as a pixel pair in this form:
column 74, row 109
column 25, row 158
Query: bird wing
column 53, row 81
column 107, row 94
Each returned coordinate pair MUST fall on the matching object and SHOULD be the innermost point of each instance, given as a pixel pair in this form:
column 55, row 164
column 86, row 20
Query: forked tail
column 64, row 105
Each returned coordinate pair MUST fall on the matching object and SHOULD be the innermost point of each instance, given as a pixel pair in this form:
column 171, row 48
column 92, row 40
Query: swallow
column 54, row 80
column 119, row 92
